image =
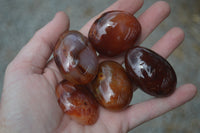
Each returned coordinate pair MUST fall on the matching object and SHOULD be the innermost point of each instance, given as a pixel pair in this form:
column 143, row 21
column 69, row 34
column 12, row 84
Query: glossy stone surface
column 112, row 87
column 151, row 72
column 78, row 102
column 75, row 58
column 114, row 32
column 19, row 27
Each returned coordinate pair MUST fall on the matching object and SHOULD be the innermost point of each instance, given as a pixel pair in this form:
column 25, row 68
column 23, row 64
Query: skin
column 28, row 101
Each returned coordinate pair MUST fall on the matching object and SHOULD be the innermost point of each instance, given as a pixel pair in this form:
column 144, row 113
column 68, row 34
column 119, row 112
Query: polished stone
column 20, row 19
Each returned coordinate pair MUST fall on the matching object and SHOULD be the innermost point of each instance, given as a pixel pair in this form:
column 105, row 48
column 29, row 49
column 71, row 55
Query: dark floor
column 19, row 19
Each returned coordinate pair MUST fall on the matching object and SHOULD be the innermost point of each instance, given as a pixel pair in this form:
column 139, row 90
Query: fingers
column 152, row 17
column 164, row 47
column 131, row 6
column 40, row 47
column 142, row 112
column 169, row 42
column 149, row 20
column 125, row 5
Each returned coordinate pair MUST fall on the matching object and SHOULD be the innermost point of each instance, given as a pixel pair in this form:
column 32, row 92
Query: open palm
column 28, row 101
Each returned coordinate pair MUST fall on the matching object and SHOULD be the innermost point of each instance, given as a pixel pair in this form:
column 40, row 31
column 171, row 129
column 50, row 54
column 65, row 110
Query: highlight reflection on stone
column 78, row 102
column 75, row 58
column 114, row 32
column 151, row 72
column 112, row 87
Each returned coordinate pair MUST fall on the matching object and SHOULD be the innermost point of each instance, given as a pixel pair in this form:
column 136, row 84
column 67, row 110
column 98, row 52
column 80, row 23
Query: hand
column 28, row 101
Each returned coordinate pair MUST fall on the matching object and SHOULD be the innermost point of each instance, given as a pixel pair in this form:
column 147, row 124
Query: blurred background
column 20, row 19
